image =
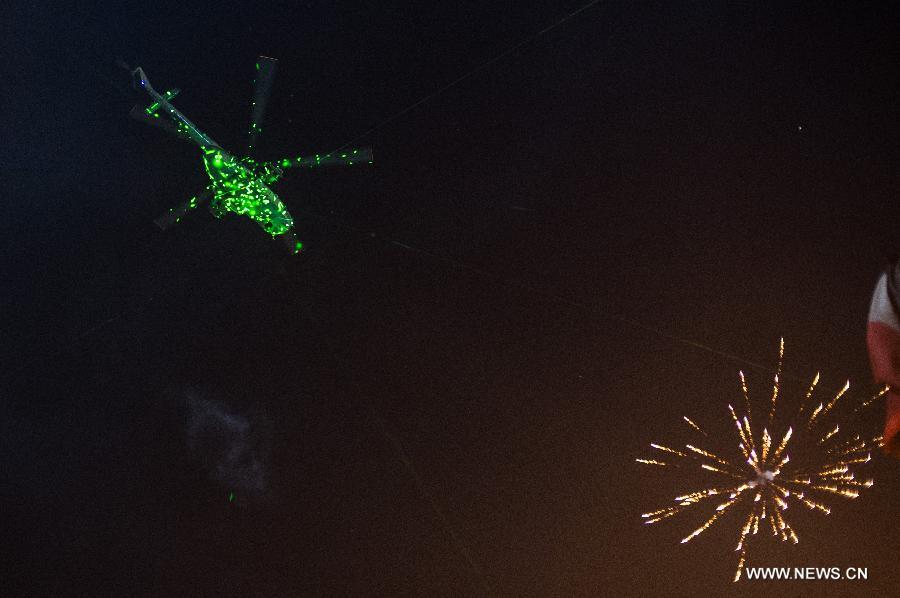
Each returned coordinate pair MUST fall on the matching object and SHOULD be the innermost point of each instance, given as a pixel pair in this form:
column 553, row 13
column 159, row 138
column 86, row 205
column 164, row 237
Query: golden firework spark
column 763, row 477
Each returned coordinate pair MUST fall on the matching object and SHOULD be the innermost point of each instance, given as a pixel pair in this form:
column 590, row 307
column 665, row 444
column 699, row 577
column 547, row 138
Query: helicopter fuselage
column 242, row 187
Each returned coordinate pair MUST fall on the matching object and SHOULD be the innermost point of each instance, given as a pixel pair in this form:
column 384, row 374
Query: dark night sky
column 460, row 418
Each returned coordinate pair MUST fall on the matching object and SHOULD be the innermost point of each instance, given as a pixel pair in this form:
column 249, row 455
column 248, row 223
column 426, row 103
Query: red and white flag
column 883, row 339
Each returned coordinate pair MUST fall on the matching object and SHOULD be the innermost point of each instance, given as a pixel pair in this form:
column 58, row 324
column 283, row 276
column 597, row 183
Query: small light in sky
column 799, row 127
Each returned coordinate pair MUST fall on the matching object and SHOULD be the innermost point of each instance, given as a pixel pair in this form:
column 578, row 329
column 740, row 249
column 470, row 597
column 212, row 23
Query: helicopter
column 240, row 185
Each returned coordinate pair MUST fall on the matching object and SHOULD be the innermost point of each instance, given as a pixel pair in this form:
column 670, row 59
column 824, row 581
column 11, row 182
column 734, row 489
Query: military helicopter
column 238, row 185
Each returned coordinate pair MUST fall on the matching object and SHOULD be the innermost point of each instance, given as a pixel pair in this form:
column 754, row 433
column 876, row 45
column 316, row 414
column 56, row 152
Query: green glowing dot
column 231, row 497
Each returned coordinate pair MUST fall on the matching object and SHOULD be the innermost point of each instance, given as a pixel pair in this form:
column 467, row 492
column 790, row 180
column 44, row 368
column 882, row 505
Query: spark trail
column 762, row 478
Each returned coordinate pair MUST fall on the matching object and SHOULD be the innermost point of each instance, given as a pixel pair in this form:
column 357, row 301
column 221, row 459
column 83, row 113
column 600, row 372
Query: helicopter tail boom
column 140, row 114
column 184, row 127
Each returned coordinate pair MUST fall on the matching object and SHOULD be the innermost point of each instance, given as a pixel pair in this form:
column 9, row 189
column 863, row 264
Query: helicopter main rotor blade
column 171, row 218
column 262, row 87
column 347, row 157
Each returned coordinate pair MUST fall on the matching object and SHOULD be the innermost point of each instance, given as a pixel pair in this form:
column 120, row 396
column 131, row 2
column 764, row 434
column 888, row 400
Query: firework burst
column 776, row 465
